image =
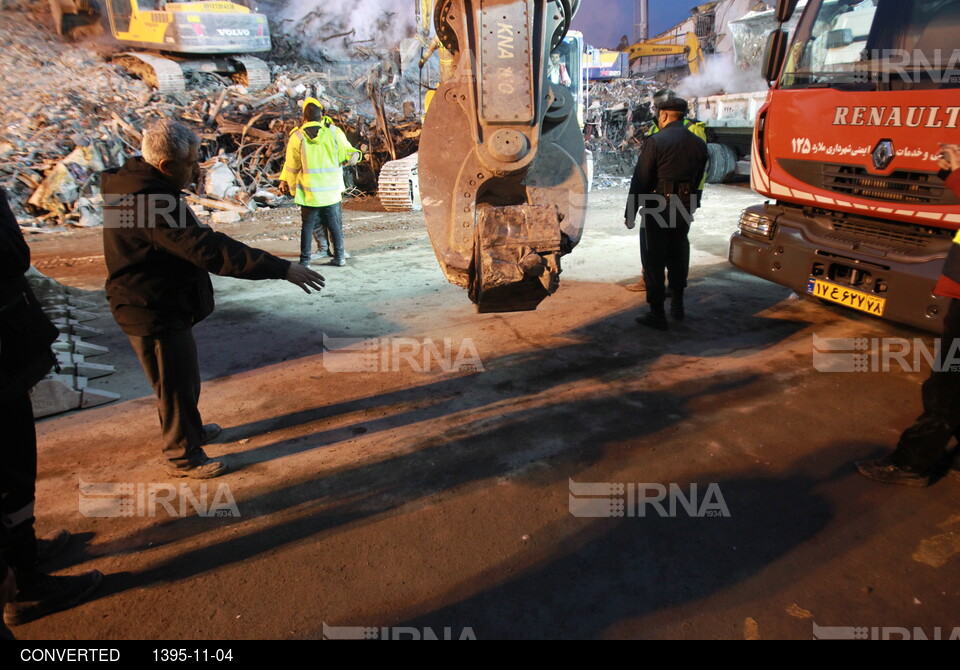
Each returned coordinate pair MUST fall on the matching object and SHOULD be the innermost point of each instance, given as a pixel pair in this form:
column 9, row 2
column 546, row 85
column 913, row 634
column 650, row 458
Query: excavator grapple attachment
column 502, row 164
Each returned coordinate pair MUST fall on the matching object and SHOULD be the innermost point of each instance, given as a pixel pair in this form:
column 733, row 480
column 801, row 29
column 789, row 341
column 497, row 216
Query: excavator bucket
column 502, row 163
column 76, row 19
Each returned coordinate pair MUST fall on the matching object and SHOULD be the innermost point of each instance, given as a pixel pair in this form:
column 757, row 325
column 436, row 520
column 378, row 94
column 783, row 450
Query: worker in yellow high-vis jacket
column 313, row 173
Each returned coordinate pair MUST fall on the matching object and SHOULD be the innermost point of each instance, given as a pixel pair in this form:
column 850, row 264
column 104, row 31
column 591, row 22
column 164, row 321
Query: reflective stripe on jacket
column 313, row 166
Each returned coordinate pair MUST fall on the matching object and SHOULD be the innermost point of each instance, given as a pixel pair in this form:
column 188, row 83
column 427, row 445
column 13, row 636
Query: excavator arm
column 502, row 165
column 691, row 48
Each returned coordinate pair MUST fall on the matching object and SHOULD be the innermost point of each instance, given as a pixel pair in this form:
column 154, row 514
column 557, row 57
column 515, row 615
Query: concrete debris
column 91, row 212
column 617, row 120
column 62, row 186
column 226, row 217
column 220, row 182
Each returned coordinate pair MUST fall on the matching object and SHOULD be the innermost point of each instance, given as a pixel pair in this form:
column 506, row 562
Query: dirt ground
column 437, row 499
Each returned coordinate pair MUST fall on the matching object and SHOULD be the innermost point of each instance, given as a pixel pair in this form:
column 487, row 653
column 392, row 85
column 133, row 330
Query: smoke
column 379, row 23
column 722, row 75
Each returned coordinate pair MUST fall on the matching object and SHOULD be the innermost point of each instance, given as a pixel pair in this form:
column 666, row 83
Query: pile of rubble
column 617, row 119
column 70, row 114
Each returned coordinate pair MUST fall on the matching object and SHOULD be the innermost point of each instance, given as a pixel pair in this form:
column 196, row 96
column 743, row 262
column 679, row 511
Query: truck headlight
column 754, row 223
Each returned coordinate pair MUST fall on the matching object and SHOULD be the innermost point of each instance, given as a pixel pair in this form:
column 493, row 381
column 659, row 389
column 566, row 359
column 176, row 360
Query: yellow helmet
column 312, row 101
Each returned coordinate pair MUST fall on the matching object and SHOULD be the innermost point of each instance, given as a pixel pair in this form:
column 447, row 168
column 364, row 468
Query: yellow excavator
column 656, row 47
column 206, row 36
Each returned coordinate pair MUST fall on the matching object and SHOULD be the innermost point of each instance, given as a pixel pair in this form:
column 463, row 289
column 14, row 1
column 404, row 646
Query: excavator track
column 256, row 73
column 163, row 74
column 398, row 187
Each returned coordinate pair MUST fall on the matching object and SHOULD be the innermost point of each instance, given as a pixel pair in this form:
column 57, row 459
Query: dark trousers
column 922, row 445
column 329, row 218
column 170, row 362
column 664, row 248
column 18, row 477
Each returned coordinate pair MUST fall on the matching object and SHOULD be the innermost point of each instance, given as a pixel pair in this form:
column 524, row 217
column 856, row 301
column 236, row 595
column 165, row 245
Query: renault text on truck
column 846, row 147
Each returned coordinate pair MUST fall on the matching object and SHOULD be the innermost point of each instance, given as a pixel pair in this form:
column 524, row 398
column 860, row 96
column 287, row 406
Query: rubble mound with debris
column 70, row 114
column 617, row 120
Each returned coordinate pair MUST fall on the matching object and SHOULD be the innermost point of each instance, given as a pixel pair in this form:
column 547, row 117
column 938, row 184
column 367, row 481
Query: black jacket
column 158, row 255
column 674, row 155
column 25, row 332
column 14, row 255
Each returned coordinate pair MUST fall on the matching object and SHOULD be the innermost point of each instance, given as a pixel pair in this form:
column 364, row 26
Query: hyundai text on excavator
column 846, row 147
column 657, row 47
column 207, row 36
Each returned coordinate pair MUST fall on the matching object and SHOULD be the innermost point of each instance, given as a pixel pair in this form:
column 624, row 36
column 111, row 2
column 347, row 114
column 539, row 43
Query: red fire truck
column 846, row 147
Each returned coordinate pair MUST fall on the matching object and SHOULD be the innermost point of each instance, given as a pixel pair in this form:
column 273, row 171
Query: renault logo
column 883, row 155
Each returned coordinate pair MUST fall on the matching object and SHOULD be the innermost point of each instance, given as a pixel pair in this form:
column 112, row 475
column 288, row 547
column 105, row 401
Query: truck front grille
column 906, row 187
column 893, row 237
column 903, row 187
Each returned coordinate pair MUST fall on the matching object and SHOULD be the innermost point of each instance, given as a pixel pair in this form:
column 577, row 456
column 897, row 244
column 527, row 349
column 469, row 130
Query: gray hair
column 167, row 140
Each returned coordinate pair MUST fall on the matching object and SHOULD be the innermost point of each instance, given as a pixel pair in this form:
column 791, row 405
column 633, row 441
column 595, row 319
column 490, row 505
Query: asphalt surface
column 436, row 492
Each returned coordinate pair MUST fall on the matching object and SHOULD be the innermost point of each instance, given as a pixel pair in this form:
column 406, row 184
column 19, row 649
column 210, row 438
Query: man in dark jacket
column 922, row 451
column 665, row 190
column 25, row 358
column 698, row 128
column 159, row 258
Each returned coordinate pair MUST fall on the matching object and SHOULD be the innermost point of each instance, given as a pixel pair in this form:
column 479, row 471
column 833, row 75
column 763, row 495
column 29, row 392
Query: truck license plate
column 846, row 296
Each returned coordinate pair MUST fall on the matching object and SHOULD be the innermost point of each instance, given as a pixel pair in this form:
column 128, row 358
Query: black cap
column 674, row 105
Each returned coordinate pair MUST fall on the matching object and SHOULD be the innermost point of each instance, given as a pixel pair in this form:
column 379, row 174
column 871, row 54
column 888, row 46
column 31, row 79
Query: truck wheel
column 722, row 163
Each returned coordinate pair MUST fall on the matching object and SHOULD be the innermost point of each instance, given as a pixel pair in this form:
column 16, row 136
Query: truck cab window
column 869, row 43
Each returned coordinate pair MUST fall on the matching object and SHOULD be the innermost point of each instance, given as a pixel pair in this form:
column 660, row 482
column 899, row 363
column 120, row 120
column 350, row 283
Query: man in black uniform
column 25, row 358
column 665, row 190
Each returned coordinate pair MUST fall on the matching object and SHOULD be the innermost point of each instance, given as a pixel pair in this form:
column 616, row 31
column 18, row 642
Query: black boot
column 676, row 305
column 39, row 594
column 657, row 318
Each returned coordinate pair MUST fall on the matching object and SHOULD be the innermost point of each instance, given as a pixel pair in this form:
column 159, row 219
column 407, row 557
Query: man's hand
column 950, row 157
column 305, row 278
column 284, row 188
column 630, row 224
